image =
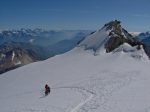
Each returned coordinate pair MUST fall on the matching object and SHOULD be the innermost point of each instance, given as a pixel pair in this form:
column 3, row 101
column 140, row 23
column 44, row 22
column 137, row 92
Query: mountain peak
column 115, row 24
column 108, row 38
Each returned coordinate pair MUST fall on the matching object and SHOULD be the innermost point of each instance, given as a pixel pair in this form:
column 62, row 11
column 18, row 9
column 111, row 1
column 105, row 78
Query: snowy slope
column 80, row 82
column 96, row 40
column 117, row 81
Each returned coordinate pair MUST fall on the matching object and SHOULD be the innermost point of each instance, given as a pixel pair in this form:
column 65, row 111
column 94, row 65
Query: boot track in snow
column 77, row 107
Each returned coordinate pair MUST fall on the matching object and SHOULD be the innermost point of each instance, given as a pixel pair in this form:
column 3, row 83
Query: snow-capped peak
column 111, row 38
column 108, row 38
column 98, row 39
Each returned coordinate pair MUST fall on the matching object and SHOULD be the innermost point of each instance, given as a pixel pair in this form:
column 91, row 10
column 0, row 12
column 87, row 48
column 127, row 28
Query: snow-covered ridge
column 100, row 37
column 135, row 52
column 111, row 37
column 96, row 40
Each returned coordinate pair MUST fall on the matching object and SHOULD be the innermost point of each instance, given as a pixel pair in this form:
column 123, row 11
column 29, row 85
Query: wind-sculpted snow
column 132, row 52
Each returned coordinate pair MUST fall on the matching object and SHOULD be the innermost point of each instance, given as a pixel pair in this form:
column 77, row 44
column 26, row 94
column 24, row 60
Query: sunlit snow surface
column 80, row 82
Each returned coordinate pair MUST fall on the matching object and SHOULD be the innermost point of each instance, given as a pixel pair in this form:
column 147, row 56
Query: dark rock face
column 12, row 57
column 118, row 36
column 114, row 42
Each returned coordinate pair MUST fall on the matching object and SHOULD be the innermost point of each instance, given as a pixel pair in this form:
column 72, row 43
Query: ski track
column 101, row 87
column 75, row 109
column 96, row 90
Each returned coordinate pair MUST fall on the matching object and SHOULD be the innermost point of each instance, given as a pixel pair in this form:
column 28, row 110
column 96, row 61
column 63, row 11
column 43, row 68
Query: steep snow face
column 96, row 40
column 80, row 82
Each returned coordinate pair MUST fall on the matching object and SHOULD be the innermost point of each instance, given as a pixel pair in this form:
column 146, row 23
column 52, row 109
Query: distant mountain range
column 144, row 35
column 39, row 37
column 27, row 46
column 145, row 39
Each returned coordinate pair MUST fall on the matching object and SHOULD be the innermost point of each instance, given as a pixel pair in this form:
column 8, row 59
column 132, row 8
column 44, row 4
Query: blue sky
column 74, row 14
